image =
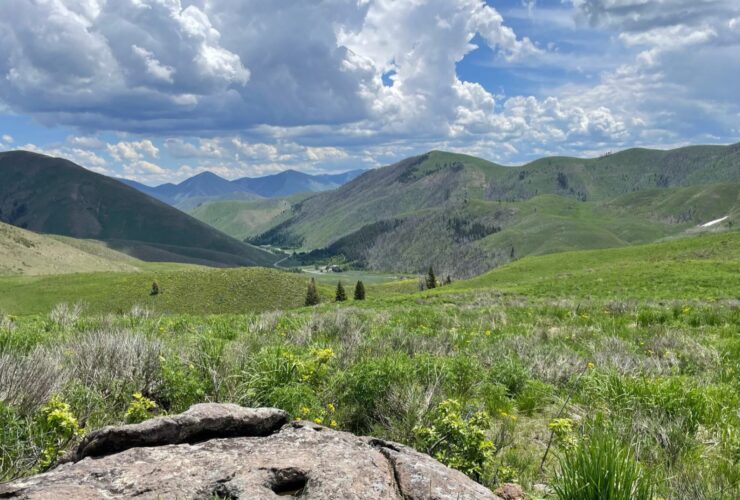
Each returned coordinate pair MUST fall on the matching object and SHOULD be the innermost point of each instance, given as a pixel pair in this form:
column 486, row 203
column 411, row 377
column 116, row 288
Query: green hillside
column 244, row 219
column 705, row 267
column 53, row 195
column 28, row 253
column 183, row 289
column 465, row 215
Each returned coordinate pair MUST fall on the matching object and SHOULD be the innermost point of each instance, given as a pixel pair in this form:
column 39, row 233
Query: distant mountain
column 208, row 186
column 53, row 195
column 465, row 215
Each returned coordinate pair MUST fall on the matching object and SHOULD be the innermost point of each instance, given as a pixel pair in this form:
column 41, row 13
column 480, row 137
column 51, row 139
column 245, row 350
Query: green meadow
column 546, row 372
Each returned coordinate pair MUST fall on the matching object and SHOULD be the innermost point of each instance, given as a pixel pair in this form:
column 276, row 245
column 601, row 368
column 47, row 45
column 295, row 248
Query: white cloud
column 245, row 86
column 132, row 151
column 7, row 138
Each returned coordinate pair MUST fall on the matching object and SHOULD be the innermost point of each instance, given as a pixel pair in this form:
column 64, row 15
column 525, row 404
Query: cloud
column 246, row 86
column 133, row 151
column 82, row 157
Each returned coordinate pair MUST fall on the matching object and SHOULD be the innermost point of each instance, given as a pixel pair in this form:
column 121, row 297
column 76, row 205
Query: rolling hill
column 183, row 290
column 55, row 196
column 28, row 253
column 465, row 215
column 209, row 187
column 244, row 219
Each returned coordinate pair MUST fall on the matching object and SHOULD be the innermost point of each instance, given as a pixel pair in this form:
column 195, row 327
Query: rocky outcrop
column 226, row 451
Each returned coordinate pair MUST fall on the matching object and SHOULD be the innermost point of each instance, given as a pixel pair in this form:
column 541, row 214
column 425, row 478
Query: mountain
column 28, row 253
column 245, row 219
column 53, row 195
column 465, row 215
column 207, row 186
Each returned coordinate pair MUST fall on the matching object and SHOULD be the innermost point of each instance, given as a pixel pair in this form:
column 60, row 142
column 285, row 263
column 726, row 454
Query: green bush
column 55, row 428
column 512, row 374
column 534, row 396
column 139, row 409
column 456, row 439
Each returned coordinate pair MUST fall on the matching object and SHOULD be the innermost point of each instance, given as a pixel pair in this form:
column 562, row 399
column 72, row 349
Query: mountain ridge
column 56, row 196
column 465, row 214
column 208, row 186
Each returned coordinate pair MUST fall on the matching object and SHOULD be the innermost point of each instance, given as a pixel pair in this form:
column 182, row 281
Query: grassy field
column 183, row 289
column 528, row 373
column 704, row 267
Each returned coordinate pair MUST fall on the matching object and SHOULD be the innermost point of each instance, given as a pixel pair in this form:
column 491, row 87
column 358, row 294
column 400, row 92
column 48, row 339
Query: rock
column 541, row 489
column 227, row 451
column 199, row 423
column 510, row 491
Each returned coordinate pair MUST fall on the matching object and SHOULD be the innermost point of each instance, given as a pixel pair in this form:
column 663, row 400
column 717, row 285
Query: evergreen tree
column 155, row 289
column 312, row 294
column 359, row 291
column 448, row 280
column 431, row 279
column 341, row 295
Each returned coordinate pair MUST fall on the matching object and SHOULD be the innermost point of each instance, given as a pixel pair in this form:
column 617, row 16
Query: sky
column 160, row 90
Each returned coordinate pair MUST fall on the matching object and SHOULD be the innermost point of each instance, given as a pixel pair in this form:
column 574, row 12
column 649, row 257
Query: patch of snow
column 715, row 221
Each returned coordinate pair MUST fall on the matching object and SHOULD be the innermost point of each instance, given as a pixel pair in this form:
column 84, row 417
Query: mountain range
column 461, row 214
column 55, row 196
column 465, row 215
column 208, row 186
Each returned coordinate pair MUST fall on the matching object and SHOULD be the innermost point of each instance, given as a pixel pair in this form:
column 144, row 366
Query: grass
column 705, row 267
column 26, row 252
column 184, row 289
column 629, row 358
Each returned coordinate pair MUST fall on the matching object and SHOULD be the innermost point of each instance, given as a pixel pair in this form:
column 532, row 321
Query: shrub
column 534, row 396
column 511, row 374
column 28, row 381
column 601, row 468
column 63, row 315
column 56, row 427
column 139, row 409
column 456, row 441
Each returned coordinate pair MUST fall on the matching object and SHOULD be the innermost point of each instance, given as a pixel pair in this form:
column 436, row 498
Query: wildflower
column 488, row 333
column 305, row 410
column 318, row 420
column 331, row 408
column 333, row 424
column 590, row 366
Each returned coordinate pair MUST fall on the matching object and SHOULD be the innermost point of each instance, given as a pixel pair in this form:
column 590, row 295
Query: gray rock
column 199, row 423
column 227, row 451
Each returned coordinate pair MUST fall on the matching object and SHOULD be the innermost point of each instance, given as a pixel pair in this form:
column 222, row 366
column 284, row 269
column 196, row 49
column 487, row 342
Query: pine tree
column 431, row 279
column 359, row 291
column 312, row 295
column 448, row 280
column 155, row 289
column 341, row 295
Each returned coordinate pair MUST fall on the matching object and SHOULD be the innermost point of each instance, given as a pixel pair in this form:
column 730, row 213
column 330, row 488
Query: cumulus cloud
column 133, row 151
column 246, row 86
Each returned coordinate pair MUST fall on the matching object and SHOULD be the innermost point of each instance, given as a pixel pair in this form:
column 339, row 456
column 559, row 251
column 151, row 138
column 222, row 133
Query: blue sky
column 159, row 90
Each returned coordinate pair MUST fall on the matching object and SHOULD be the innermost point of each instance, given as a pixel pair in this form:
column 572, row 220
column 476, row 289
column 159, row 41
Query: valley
column 596, row 315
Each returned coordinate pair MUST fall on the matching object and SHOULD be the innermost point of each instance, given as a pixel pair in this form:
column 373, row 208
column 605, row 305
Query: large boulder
column 226, row 451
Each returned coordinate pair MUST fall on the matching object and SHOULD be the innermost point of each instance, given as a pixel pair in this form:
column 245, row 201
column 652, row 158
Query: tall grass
column 601, row 468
